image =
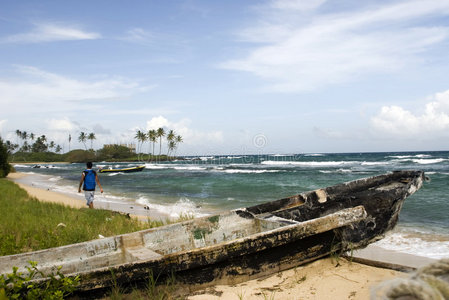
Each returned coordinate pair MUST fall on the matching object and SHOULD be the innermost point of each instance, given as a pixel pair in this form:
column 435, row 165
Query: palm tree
column 152, row 135
column 82, row 138
column 19, row 135
column 178, row 140
column 70, row 139
column 91, row 137
column 141, row 137
column 171, row 141
column 32, row 136
column 25, row 145
column 58, row 149
column 10, row 147
column 52, row 145
column 171, row 147
column 160, row 133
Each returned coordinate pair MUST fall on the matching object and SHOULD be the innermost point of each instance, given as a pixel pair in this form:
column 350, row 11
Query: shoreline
column 77, row 200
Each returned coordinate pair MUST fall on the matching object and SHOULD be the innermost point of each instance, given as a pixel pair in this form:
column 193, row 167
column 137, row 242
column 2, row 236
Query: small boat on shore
column 237, row 245
column 123, row 170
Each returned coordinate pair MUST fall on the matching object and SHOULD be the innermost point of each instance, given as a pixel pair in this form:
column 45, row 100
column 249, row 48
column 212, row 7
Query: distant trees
column 114, row 151
column 82, row 138
column 160, row 132
column 173, row 140
column 91, row 137
column 27, row 142
column 40, row 145
column 152, row 135
column 141, row 138
column 30, row 142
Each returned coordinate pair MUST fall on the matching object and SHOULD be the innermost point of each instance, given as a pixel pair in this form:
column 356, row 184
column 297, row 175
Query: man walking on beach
column 90, row 179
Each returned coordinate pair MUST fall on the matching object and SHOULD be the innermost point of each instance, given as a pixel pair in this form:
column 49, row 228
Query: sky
column 230, row 77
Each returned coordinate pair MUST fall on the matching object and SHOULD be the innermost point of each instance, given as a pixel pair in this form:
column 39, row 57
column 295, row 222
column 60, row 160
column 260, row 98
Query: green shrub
column 17, row 285
column 114, row 152
column 4, row 165
column 80, row 156
column 36, row 157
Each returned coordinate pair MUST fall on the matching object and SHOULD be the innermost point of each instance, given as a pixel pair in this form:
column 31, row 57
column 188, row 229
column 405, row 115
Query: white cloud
column 138, row 35
column 397, row 122
column 61, row 125
column 299, row 52
column 2, row 123
column 299, row 5
column 34, row 89
column 183, row 127
column 157, row 122
column 47, row 32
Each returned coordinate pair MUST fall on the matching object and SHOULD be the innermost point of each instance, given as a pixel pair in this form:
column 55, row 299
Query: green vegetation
column 28, row 225
column 151, row 136
column 33, row 148
column 5, row 167
column 16, row 285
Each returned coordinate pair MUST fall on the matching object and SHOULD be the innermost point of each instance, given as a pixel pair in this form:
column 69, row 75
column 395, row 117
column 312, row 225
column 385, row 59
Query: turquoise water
column 205, row 185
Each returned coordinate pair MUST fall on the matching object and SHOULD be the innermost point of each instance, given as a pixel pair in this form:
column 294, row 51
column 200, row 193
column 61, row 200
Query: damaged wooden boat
column 238, row 245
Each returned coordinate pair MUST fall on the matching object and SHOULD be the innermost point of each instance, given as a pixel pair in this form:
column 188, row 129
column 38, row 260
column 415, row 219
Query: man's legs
column 89, row 195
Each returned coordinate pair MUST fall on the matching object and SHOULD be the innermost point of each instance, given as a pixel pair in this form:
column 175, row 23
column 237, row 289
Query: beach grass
column 27, row 224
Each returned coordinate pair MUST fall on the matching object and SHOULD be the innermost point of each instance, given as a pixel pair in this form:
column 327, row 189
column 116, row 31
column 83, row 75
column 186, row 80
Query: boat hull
column 125, row 170
column 238, row 245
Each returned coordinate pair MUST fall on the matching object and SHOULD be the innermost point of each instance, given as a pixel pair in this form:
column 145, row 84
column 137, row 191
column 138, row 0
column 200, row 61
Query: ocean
column 200, row 186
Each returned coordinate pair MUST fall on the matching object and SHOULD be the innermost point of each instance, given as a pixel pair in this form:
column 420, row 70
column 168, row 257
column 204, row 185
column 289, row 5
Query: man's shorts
column 89, row 197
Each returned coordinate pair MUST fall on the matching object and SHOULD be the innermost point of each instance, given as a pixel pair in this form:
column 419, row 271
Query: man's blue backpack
column 89, row 180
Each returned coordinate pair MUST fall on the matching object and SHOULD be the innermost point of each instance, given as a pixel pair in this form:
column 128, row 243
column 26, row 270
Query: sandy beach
column 318, row 280
column 322, row 279
column 47, row 195
column 78, row 201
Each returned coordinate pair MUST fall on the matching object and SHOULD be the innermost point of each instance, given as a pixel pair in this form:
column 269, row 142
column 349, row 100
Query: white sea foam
column 189, row 168
column 54, row 179
column 156, row 166
column 175, row 167
column 375, row 163
column 241, row 171
column 308, row 163
column 181, row 208
column 411, row 156
column 314, row 154
column 400, row 242
column 429, row 161
column 22, row 166
column 340, row 171
column 206, row 157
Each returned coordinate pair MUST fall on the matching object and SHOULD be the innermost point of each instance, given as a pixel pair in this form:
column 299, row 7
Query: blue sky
column 231, row 77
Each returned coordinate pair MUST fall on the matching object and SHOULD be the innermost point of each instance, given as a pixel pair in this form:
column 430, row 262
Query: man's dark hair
column 89, row 165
